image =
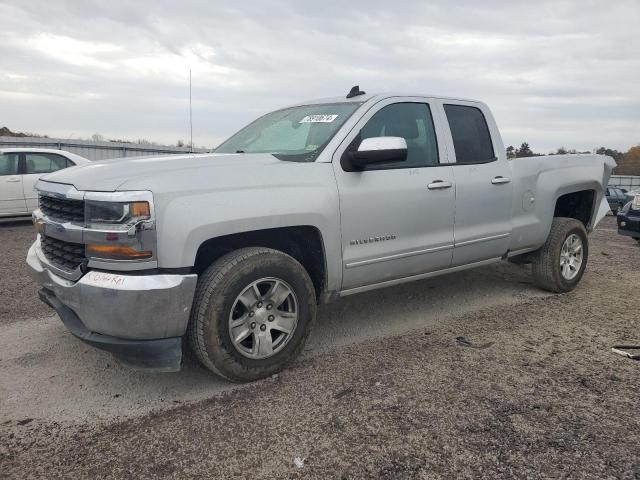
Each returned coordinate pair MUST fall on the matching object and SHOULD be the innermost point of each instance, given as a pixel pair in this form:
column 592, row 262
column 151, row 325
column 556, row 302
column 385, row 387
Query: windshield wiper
column 239, row 151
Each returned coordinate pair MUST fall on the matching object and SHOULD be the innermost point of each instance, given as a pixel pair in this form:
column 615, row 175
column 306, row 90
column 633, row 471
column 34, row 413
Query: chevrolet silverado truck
column 228, row 254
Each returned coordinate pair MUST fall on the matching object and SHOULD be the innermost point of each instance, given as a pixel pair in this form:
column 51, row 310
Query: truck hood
column 149, row 173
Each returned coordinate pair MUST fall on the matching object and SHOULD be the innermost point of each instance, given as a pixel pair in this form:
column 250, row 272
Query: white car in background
column 20, row 169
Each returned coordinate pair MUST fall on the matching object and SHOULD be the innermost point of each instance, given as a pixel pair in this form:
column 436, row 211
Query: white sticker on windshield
column 319, row 119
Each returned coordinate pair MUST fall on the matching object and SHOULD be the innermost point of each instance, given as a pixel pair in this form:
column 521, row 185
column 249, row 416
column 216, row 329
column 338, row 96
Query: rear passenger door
column 36, row 165
column 482, row 175
column 11, row 195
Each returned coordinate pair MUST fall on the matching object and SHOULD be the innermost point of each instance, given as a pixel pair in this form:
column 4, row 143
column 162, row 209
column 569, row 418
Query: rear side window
column 44, row 162
column 471, row 137
column 9, row 164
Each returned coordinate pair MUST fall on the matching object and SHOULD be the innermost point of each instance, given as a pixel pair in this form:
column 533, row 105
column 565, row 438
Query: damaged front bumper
column 139, row 318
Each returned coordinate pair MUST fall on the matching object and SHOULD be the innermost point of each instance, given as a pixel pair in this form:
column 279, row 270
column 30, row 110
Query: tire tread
column 546, row 271
column 208, row 283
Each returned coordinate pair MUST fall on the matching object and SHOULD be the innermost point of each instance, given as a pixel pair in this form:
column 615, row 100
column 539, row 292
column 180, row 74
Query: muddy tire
column 559, row 264
column 252, row 313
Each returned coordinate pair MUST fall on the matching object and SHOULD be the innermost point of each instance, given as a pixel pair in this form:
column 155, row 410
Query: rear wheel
column 559, row 265
column 252, row 313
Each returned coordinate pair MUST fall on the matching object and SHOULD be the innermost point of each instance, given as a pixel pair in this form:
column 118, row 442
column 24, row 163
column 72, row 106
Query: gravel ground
column 532, row 391
column 15, row 284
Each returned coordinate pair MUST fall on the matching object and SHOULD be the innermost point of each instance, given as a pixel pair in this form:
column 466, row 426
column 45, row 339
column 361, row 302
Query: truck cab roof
column 373, row 97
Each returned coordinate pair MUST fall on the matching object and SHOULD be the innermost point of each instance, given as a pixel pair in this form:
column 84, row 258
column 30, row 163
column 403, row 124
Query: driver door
column 396, row 218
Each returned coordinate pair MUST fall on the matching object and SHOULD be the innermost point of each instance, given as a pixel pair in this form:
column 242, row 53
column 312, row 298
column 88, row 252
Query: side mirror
column 379, row 150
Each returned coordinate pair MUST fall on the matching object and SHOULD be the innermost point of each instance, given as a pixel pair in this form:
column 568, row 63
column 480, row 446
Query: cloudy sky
column 556, row 73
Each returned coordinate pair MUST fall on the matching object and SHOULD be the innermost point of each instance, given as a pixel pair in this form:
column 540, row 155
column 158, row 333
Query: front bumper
column 139, row 318
column 629, row 224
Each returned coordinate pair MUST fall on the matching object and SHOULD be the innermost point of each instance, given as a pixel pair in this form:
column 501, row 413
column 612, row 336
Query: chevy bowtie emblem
column 39, row 226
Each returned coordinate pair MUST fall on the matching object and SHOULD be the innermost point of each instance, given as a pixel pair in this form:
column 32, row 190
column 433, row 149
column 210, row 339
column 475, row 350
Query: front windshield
column 297, row 134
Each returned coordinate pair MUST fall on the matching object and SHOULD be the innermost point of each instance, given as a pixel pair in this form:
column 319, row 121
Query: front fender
column 187, row 220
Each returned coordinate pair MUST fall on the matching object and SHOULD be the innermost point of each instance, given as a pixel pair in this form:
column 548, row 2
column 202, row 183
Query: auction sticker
column 319, row 119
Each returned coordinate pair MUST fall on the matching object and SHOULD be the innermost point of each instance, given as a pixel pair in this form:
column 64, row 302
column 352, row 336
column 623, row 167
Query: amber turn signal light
column 116, row 252
column 140, row 209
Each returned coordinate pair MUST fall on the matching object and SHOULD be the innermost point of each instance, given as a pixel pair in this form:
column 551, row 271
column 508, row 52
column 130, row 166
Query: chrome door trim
column 421, row 276
column 397, row 256
column 483, row 239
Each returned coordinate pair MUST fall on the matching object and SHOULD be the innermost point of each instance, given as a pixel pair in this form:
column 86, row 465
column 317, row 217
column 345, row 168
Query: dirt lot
column 16, row 236
column 384, row 389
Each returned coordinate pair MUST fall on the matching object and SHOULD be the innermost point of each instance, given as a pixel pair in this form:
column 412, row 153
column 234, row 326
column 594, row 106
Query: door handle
column 13, row 179
column 439, row 185
column 500, row 180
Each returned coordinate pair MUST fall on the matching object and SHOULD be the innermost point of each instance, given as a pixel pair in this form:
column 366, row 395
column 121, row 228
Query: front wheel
column 559, row 264
column 252, row 313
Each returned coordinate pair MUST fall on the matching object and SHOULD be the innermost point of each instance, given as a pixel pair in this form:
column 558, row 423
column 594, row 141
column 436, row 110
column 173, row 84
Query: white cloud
column 72, row 51
column 555, row 72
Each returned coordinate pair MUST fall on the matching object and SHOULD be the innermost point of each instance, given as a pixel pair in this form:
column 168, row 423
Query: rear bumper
column 139, row 318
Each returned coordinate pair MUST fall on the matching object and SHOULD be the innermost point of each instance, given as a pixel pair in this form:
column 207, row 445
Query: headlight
column 120, row 226
column 635, row 204
column 116, row 214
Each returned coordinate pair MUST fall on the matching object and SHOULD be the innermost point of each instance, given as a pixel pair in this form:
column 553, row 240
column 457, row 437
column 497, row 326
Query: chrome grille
column 63, row 209
column 62, row 254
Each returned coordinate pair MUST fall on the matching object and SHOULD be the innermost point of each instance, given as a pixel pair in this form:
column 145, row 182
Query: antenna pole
column 190, row 116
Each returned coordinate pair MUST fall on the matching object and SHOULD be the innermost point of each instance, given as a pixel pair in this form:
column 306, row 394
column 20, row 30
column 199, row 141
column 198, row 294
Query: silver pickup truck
column 229, row 253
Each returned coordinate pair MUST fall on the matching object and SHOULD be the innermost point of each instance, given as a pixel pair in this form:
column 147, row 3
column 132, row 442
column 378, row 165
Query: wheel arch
column 579, row 204
column 302, row 242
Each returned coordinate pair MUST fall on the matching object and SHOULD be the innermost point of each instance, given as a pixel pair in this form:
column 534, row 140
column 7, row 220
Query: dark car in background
column 629, row 219
column 616, row 198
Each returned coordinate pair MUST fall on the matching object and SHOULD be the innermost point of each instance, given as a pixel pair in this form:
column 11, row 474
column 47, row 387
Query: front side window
column 44, row 162
column 9, row 164
column 411, row 121
column 297, row 134
column 471, row 137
